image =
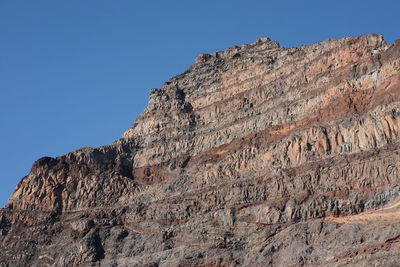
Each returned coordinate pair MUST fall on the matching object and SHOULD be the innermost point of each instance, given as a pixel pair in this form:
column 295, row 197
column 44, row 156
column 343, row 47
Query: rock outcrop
column 258, row 155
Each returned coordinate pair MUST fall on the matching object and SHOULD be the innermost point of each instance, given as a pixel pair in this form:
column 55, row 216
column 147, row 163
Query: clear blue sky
column 76, row 73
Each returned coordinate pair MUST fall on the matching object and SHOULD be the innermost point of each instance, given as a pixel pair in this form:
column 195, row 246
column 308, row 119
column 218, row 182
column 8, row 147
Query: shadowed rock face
column 258, row 155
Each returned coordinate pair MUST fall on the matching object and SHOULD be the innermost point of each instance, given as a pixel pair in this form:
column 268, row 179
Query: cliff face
column 258, row 155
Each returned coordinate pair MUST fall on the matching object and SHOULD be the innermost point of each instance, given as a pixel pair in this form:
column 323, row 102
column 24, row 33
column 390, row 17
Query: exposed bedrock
column 257, row 155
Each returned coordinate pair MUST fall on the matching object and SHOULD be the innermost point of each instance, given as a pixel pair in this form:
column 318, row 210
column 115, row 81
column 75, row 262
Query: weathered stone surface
column 258, row 155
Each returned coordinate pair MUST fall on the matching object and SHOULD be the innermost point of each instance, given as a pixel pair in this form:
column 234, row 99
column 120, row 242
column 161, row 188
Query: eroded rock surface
column 258, row 155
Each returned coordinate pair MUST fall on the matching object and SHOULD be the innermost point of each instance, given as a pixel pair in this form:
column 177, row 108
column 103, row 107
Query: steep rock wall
column 257, row 155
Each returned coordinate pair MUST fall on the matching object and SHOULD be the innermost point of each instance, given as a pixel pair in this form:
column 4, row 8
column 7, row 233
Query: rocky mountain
column 257, row 155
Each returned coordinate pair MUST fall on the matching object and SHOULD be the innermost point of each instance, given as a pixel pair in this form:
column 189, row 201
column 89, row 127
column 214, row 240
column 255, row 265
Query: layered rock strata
column 258, row 155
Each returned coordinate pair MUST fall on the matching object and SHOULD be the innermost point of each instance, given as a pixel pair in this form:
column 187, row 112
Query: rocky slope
column 258, row 155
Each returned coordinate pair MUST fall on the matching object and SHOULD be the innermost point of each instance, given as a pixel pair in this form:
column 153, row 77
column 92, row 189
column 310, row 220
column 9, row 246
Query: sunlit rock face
column 257, row 155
